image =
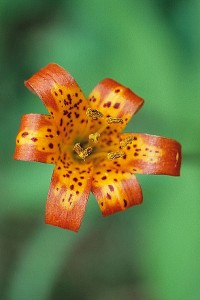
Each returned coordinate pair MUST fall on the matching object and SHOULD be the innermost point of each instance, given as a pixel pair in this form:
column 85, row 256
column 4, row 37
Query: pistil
column 94, row 137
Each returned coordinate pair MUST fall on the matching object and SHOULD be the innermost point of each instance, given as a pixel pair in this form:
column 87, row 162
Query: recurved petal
column 150, row 154
column 115, row 190
column 68, row 194
column 63, row 98
column 37, row 139
column 115, row 100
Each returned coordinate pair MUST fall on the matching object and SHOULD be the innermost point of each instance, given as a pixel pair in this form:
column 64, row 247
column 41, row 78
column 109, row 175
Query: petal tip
column 61, row 223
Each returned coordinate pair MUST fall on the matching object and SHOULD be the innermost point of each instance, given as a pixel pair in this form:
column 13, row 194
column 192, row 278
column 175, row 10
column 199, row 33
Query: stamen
column 94, row 137
column 127, row 141
column 77, row 148
column 111, row 120
column 82, row 153
column 113, row 155
column 86, row 152
column 94, row 113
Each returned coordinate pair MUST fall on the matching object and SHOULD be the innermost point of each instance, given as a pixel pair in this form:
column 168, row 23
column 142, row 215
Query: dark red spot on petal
column 24, row 134
column 34, row 139
column 70, row 196
column 69, row 98
column 117, row 105
column 107, row 104
column 108, row 196
column 111, row 187
column 125, row 202
column 76, row 115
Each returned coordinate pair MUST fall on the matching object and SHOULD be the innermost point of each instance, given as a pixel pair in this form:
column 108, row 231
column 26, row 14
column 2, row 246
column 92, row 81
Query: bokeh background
column 150, row 252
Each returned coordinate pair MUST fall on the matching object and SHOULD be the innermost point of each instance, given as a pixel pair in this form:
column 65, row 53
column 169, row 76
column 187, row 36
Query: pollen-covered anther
column 94, row 137
column 127, row 141
column 114, row 155
column 93, row 113
column 86, row 152
column 77, row 148
column 111, row 120
column 82, row 153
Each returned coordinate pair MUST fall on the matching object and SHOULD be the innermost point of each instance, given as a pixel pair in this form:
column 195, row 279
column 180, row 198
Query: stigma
column 94, row 137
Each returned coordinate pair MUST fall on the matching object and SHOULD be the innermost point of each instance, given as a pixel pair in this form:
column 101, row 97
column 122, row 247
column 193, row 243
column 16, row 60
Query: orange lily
column 83, row 139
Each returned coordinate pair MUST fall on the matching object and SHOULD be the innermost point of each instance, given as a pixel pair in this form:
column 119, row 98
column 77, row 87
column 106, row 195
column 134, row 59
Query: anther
column 77, row 148
column 127, row 141
column 111, row 120
column 86, row 152
column 113, row 155
column 82, row 153
column 94, row 137
column 93, row 113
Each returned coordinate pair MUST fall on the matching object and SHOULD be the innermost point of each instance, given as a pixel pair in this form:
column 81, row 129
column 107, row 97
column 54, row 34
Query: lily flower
column 84, row 139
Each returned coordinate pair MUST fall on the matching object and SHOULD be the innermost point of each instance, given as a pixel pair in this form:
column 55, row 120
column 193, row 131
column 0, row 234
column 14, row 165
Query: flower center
column 89, row 147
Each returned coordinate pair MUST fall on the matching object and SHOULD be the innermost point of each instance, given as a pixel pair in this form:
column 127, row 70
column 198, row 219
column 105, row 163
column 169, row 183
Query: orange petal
column 68, row 194
column 63, row 99
column 37, row 139
column 115, row 100
column 114, row 189
column 150, row 154
column 108, row 143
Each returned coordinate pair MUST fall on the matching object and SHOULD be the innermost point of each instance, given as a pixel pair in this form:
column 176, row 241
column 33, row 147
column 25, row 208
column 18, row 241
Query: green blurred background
column 150, row 252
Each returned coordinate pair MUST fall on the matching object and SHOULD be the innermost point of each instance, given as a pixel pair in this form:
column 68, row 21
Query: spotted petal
column 115, row 100
column 150, row 154
column 37, row 139
column 68, row 194
column 63, row 98
column 115, row 190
